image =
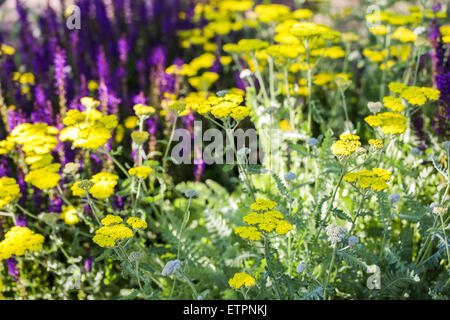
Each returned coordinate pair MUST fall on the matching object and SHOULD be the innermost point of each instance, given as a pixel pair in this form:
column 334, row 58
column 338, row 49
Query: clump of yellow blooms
column 234, row 5
column 203, row 81
column 131, row 122
column 445, row 31
column 285, row 125
column 69, row 215
column 106, row 236
column 346, row 146
column 18, row 240
column 419, row 95
column 265, row 219
column 401, row 52
column 389, row 122
column 393, row 103
column 414, row 95
column 376, row 143
column 111, row 219
column 9, row 191
column 310, row 30
column 6, row 146
column 241, row 279
column 375, row 55
column 140, row 172
column 143, row 110
column 263, row 205
column 375, row 179
column 221, row 107
column 44, row 178
column 37, row 141
column 37, row 138
column 6, row 50
column 302, row 14
column 88, row 129
column 137, row 223
column 404, row 35
column 379, row 30
column 113, row 229
column 272, row 12
column 102, row 187
column 245, row 45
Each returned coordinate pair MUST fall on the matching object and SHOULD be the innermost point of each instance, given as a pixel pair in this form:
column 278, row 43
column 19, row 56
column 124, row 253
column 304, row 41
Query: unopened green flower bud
column 85, row 185
column 139, row 137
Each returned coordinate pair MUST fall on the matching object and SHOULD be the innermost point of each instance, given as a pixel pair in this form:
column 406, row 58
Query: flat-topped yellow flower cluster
column 114, row 229
column 18, row 240
column 88, row 129
column 375, row 179
column 265, row 219
column 9, row 191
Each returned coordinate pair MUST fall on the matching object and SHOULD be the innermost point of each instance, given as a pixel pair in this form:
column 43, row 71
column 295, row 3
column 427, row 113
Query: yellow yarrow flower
column 111, row 219
column 88, row 129
column 141, row 109
column 106, row 236
column 285, row 125
column 263, row 205
column 69, row 215
column 219, row 107
column 7, row 50
column 131, row 122
column 102, row 186
column 241, row 279
column 302, row 14
column 414, row 95
column 308, row 30
column 390, row 123
column 250, row 233
column 45, row 177
column 234, row 5
column 271, row 12
column 204, row 81
column 376, row 143
column 346, row 146
column 6, row 146
column 379, row 30
column 266, row 220
column 36, row 138
column 393, row 103
column 397, row 87
column 18, row 240
column 140, row 172
column 89, row 103
column 375, row 179
column 404, row 35
column 137, row 223
column 9, row 191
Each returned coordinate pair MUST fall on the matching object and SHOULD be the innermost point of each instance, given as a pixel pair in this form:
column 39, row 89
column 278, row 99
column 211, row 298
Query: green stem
column 183, row 224
column 344, row 103
column 359, row 212
column 191, row 285
column 116, row 162
column 330, row 205
column 446, row 241
column 329, row 273
column 137, row 275
column 269, row 268
column 166, row 153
